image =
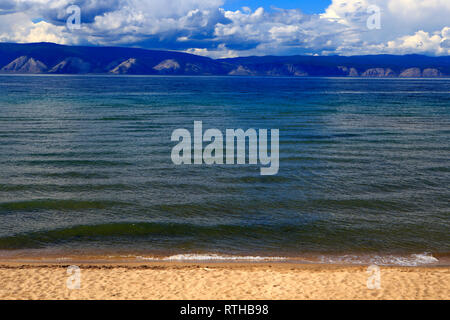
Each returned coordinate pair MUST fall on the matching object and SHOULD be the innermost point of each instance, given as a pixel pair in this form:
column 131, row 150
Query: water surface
column 85, row 167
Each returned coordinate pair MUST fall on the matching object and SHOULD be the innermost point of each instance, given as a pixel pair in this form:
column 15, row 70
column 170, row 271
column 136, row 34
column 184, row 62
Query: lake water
column 85, row 168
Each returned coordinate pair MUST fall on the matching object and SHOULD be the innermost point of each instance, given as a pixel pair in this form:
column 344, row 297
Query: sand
column 220, row 281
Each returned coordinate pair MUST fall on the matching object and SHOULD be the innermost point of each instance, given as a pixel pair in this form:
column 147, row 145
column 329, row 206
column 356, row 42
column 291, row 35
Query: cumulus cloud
column 17, row 27
column 407, row 26
column 204, row 27
column 420, row 42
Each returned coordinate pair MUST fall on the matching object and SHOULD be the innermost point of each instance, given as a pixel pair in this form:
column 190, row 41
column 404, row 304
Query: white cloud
column 44, row 32
column 17, row 27
column 202, row 27
column 221, row 52
column 421, row 42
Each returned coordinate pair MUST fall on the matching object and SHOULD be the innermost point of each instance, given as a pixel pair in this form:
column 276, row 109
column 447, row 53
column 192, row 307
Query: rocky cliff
column 51, row 58
column 24, row 64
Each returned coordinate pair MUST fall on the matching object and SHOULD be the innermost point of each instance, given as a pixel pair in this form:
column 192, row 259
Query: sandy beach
column 212, row 281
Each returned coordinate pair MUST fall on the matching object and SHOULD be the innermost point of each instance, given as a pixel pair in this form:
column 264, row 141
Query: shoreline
column 99, row 264
column 424, row 259
column 219, row 281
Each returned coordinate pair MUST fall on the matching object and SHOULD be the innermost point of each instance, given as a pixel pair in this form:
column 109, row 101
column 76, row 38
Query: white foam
column 211, row 257
column 63, row 259
column 425, row 258
column 412, row 260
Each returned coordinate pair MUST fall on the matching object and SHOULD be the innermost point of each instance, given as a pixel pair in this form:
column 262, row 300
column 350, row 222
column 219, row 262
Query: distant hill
column 51, row 58
column 355, row 66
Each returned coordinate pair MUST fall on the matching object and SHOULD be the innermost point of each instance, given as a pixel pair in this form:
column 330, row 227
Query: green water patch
column 255, row 179
column 293, row 236
column 62, row 205
column 69, row 175
column 65, row 188
column 75, row 154
column 129, row 230
column 73, row 163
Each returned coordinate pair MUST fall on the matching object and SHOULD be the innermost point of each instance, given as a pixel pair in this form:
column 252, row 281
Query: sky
column 308, row 7
column 231, row 28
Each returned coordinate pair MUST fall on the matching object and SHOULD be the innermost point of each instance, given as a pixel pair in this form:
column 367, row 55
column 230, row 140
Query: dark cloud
column 89, row 10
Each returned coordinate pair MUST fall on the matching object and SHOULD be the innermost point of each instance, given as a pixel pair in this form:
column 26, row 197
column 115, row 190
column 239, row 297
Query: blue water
column 86, row 167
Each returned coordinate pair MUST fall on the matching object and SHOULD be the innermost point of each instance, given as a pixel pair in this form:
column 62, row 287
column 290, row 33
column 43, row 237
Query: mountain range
column 49, row 58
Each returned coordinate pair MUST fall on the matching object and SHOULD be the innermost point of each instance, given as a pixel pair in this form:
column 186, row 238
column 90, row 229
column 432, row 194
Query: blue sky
column 223, row 28
column 309, row 7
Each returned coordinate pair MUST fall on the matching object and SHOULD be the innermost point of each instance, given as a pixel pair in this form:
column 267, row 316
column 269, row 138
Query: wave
column 211, row 257
column 424, row 259
column 50, row 204
column 385, row 92
column 126, row 231
column 71, row 163
column 413, row 260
